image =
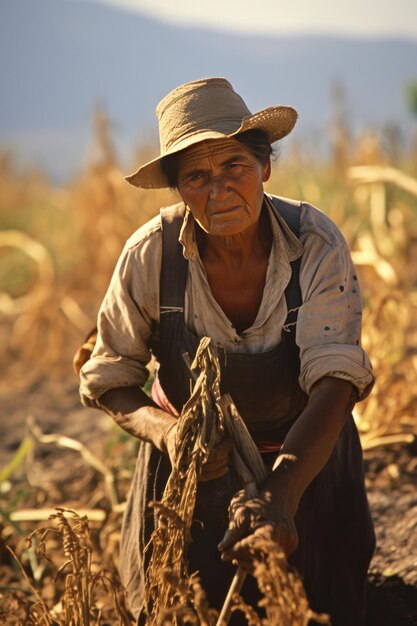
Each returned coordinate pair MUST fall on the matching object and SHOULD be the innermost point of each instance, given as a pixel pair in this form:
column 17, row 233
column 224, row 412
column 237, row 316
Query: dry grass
column 284, row 598
column 79, row 604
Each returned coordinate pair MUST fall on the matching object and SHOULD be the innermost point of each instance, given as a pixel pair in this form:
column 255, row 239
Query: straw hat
column 207, row 109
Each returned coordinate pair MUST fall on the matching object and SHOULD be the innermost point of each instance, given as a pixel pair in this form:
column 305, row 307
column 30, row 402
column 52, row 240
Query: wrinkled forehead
column 211, row 149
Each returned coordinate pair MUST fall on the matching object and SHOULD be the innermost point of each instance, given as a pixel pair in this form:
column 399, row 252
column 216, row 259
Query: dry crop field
column 58, row 246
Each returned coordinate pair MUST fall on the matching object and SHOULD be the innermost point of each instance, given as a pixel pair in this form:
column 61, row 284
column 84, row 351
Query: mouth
column 224, row 210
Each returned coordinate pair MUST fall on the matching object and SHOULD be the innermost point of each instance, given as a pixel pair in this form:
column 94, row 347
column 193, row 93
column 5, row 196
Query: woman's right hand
column 217, row 464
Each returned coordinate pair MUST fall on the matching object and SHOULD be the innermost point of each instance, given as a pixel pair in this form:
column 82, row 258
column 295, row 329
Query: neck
column 238, row 249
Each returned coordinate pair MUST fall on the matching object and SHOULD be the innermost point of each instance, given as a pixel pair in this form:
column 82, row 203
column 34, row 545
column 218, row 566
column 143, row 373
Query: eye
column 196, row 179
column 234, row 167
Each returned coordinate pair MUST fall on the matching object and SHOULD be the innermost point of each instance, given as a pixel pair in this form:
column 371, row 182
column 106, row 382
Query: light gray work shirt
column 329, row 321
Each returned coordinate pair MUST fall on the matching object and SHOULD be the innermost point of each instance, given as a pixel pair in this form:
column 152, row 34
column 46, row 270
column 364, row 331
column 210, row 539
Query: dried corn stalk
column 198, row 427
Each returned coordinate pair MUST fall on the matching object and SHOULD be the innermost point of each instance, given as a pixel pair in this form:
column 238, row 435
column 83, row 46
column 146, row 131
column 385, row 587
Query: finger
column 242, row 550
column 246, row 552
column 215, row 467
column 222, row 439
column 222, row 451
column 231, row 536
column 217, row 461
column 214, row 463
column 244, row 561
column 226, row 446
column 284, row 540
column 219, row 458
column 212, row 474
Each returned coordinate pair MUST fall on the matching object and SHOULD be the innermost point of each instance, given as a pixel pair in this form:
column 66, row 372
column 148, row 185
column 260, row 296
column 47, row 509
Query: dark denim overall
column 336, row 538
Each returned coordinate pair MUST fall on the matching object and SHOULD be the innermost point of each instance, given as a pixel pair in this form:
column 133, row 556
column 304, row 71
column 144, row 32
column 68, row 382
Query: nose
column 219, row 187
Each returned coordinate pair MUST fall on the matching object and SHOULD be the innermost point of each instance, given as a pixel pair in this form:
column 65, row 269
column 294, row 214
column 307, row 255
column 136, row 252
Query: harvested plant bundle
column 200, row 424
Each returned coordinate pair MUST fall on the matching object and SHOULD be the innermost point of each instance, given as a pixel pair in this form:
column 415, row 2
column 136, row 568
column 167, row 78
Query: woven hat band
column 191, row 109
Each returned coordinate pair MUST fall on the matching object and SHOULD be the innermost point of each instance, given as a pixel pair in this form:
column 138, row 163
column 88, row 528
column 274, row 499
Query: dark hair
column 255, row 140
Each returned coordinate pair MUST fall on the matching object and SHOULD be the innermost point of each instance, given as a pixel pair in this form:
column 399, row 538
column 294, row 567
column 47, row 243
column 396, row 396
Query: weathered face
column 221, row 182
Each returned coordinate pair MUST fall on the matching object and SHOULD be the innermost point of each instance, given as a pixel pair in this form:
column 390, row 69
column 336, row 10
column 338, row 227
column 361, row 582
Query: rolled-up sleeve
column 330, row 318
column 127, row 318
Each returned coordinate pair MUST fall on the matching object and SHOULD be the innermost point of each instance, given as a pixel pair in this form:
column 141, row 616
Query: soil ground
column 60, row 477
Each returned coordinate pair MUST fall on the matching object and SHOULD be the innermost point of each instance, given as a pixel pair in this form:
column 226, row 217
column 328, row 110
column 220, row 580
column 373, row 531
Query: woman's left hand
column 253, row 520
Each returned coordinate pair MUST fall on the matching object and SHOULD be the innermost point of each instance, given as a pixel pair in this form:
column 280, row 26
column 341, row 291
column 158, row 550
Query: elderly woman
column 271, row 281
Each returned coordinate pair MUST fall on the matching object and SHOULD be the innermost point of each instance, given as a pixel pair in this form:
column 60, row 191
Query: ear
column 266, row 170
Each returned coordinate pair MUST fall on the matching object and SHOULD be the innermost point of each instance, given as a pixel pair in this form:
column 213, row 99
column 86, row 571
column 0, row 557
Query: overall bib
column 336, row 537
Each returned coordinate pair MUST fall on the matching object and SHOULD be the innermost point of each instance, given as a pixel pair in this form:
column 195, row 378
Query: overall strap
column 174, row 266
column 290, row 213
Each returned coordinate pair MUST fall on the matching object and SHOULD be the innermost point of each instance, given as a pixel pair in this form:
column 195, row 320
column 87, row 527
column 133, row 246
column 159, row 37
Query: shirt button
column 236, row 341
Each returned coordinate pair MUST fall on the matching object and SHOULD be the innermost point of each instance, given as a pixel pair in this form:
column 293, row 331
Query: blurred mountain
column 59, row 58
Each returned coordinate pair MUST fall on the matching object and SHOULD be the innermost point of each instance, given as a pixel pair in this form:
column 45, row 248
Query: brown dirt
column 391, row 480
column 60, row 477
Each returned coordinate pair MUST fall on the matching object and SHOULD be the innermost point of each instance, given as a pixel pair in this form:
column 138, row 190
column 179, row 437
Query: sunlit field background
column 58, row 247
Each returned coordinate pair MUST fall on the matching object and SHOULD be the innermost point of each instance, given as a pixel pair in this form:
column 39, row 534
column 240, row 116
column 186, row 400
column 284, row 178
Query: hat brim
column 276, row 121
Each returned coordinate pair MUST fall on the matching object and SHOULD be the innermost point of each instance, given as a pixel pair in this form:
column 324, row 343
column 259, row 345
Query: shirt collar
column 187, row 236
column 282, row 234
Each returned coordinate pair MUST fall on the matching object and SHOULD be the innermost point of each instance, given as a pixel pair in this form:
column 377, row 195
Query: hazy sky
column 357, row 17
